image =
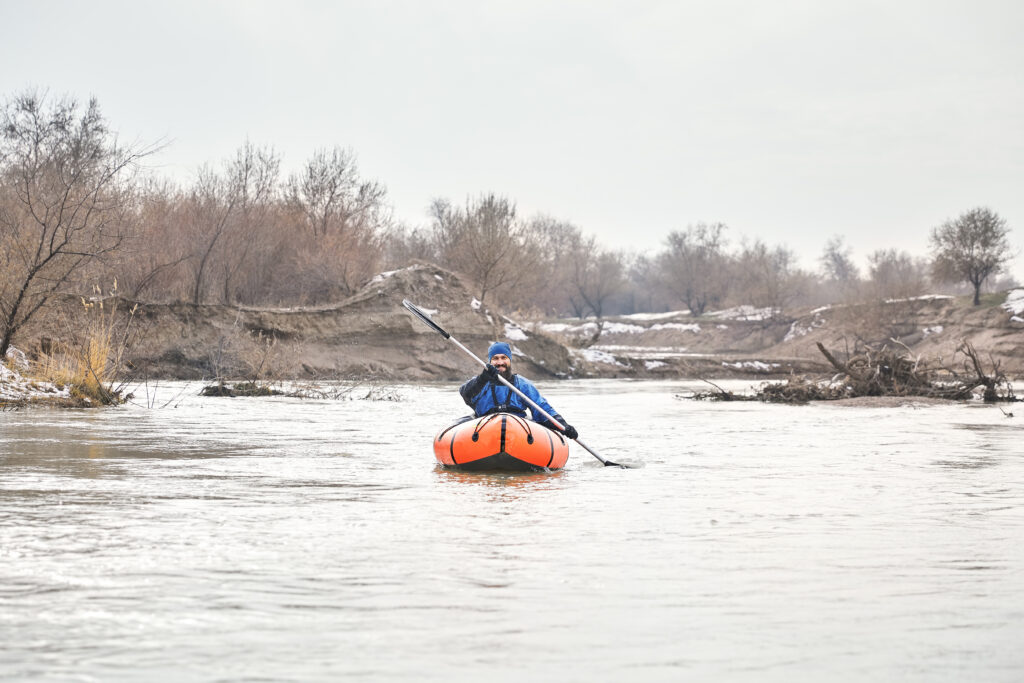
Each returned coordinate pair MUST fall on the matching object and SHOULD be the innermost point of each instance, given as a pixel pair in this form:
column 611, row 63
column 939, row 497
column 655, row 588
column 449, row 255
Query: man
column 486, row 394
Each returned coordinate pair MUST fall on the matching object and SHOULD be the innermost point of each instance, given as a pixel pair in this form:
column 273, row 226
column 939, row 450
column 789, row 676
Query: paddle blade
column 621, row 465
column 424, row 318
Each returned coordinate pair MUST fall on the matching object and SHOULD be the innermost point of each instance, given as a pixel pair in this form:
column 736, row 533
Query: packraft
column 500, row 441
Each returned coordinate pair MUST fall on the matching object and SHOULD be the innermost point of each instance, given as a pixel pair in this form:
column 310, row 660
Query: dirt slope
column 745, row 342
column 369, row 335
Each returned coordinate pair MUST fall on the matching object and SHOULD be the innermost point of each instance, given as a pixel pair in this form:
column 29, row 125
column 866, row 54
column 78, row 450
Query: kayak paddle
column 425, row 319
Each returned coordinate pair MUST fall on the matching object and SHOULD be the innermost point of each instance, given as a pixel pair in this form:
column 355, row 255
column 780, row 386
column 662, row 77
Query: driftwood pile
column 888, row 370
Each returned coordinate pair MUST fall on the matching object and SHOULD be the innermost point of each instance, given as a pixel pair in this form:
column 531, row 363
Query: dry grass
column 89, row 362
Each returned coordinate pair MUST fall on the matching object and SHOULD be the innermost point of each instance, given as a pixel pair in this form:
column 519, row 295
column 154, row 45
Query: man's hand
column 571, row 432
column 491, row 372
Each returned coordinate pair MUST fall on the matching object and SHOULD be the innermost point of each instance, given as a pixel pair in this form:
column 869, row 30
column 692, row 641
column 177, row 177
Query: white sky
column 788, row 120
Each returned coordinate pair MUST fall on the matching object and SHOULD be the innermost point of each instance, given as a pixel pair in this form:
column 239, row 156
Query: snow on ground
column 652, row 364
column 924, row 297
column 1015, row 304
column 648, row 352
column 682, row 327
column 590, row 328
column 654, row 316
column 565, row 328
column 475, row 304
column 935, row 329
column 17, row 359
column 798, row 330
column 622, row 328
column 381, row 277
column 751, row 365
column 514, row 333
column 15, row 387
column 745, row 312
column 598, row 356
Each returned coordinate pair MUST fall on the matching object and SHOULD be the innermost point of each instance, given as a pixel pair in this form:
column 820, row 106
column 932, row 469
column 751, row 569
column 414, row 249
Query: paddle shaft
column 430, row 323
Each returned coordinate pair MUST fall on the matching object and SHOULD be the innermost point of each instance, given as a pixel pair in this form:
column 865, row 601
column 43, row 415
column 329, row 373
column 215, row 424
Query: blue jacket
column 486, row 397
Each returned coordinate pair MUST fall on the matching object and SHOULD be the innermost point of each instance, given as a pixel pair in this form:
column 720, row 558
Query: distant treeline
column 77, row 209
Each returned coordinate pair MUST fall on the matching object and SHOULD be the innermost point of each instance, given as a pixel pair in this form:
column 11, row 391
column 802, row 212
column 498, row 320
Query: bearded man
column 485, row 394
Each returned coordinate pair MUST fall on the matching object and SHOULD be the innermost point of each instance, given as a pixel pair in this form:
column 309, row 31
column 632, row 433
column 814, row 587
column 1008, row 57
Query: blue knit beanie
column 499, row 347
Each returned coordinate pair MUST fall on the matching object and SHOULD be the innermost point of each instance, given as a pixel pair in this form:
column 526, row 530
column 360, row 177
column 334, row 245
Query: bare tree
column 252, row 179
column 645, row 289
column 972, row 247
column 692, row 266
column 549, row 290
column 332, row 197
column 403, row 245
column 595, row 275
column 65, row 185
column 485, row 241
column 225, row 210
column 838, row 268
column 151, row 259
column 769, row 276
column 210, row 207
column 346, row 224
column 894, row 274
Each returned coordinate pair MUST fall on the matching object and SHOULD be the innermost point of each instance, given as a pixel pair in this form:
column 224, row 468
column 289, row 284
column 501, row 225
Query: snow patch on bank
column 622, row 328
column 514, row 333
column 682, row 327
column 652, row 352
column 934, row 329
column 599, row 356
column 381, row 277
column 590, row 328
column 798, row 330
column 644, row 317
column 1015, row 303
column 15, row 387
column 756, row 365
column 924, row 297
column 744, row 312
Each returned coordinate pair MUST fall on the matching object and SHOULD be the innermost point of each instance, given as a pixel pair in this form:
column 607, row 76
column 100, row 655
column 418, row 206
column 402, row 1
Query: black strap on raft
column 525, row 424
column 455, row 424
column 480, row 425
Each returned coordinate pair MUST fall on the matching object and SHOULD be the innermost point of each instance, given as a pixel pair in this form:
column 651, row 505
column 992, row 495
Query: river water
column 186, row 538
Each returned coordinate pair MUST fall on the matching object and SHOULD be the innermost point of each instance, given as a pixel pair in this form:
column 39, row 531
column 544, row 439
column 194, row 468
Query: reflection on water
column 217, row 539
column 510, row 481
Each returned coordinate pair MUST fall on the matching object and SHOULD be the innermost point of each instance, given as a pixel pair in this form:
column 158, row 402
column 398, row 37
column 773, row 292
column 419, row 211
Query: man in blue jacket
column 485, row 394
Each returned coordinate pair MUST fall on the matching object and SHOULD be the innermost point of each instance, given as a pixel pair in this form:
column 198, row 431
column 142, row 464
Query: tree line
column 77, row 208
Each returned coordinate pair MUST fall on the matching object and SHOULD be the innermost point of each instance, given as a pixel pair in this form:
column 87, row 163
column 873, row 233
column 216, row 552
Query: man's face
column 503, row 364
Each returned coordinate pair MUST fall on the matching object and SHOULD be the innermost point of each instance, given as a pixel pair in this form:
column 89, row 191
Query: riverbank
column 17, row 390
column 371, row 337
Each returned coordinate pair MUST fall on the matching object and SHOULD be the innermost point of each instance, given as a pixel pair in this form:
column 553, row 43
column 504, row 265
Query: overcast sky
column 789, row 121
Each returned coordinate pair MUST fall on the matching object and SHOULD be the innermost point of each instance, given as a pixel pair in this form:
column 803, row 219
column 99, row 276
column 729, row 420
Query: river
column 212, row 539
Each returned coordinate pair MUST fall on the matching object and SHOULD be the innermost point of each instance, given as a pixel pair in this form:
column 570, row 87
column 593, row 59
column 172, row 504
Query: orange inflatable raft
column 500, row 442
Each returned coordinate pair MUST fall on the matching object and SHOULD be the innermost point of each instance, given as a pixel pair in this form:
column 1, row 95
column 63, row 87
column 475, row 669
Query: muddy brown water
column 285, row 539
